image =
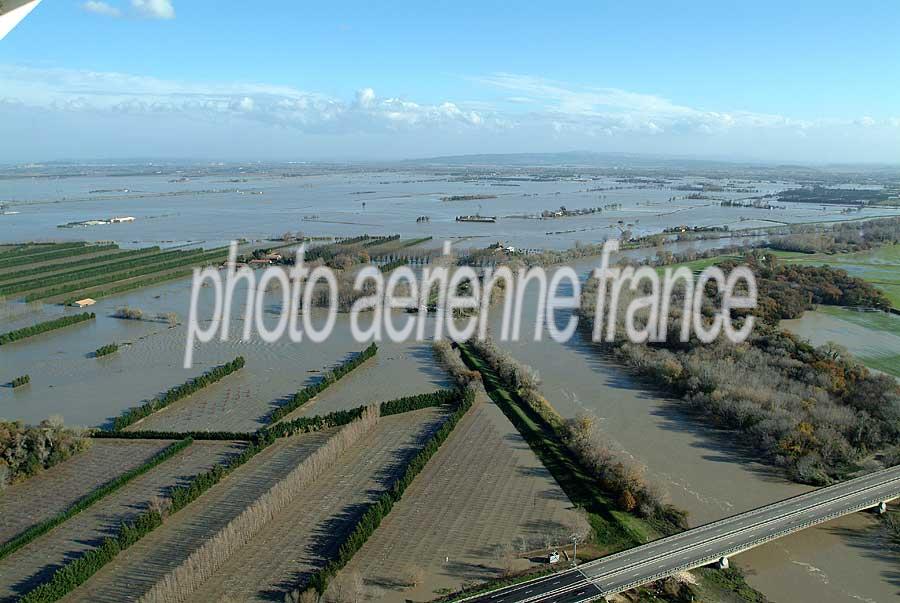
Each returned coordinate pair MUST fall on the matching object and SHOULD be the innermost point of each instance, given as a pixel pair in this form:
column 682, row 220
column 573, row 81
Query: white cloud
column 82, row 91
column 154, row 9
column 528, row 113
column 101, row 8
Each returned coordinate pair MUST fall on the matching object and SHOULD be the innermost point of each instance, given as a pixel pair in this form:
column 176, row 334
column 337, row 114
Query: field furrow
column 36, row 561
column 307, row 533
column 43, row 496
column 482, row 500
column 135, row 570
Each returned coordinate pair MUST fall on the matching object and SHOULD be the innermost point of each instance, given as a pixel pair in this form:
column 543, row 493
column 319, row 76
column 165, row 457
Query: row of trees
column 328, row 378
column 178, row 583
column 70, row 265
column 378, row 510
column 815, row 412
column 449, row 358
column 26, row 450
column 43, row 327
column 189, row 259
column 616, row 474
column 86, row 501
column 55, row 254
column 841, row 237
column 146, row 258
column 135, row 414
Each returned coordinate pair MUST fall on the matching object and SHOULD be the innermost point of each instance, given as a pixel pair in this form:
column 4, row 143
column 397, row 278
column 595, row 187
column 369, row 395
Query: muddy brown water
column 846, row 560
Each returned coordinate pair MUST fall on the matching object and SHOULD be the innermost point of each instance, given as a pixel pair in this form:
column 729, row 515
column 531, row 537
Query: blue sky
column 796, row 81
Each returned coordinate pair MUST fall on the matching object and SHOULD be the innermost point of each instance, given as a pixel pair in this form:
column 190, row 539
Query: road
column 702, row 545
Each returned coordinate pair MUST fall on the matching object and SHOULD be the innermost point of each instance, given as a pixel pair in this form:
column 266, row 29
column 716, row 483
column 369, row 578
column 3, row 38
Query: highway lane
column 702, row 545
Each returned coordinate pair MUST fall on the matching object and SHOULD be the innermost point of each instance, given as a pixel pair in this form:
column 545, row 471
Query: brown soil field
column 304, row 535
column 138, row 568
column 480, row 500
column 35, row 562
column 43, row 496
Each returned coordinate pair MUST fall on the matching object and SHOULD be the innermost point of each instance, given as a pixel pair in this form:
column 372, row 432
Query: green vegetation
column 43, row 327
column 68, row 265
column 815, row 412
column 106, row 350
column 879, row 266
column 53, row 254
column 29, row 249
column 418, row 402
column 73, row 574
column 377, row 511
column 309, row 392
column 611, row 527
column 26, row 450
column 109, row 269
column 173, row 435
column 109, row 487
column 133, row 415
column 393, row 265
column 20, row 381
column 81, row 284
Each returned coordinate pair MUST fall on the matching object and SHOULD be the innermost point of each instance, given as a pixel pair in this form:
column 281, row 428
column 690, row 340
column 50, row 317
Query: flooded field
column 873, row 337
column 844, row 561
column 188, row 208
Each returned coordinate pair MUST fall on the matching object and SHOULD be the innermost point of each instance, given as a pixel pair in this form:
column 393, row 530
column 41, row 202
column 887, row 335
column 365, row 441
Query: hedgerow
column 192, row 260
column 378, row 510
column 43, row 327
column 83, row 503
column 172, row 435
column 55, row 254
column 133, row 415
column 107, row 269
column 310, row 391
column 68, row 266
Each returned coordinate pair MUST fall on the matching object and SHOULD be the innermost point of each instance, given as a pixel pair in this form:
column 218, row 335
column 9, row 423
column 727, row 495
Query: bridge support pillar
column 881, row 508
column 722, row 563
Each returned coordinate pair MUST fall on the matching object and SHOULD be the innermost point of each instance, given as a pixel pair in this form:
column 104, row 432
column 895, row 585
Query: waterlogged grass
column 877, row 321
column 697, row 266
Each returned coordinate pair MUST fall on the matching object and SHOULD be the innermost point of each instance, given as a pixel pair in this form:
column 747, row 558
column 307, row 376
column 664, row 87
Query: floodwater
column 212, row 210
column 67, row 380
column 874, row 338
column 705, row 473
column 843, row 561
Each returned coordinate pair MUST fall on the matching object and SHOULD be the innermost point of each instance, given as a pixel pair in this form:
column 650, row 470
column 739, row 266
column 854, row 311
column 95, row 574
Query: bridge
column 712, row 543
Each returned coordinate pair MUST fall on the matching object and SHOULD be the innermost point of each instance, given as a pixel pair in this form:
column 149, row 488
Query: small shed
column 81, row 303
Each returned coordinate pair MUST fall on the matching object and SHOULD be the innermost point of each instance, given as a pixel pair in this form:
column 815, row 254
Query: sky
column 797, row 81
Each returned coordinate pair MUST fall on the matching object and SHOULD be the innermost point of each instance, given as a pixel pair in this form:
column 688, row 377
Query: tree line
column 814, row 411
column 43, row 327
column 378, row 510
column 173, row 394
column 330, row 377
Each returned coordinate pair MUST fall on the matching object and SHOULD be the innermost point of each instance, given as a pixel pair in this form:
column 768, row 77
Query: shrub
column 180, row 582
column 128, row 313
column 28, row 449
column 106, row 350
column 43, row 327
column 20, row 381
column 133, row 415
column 309, row 392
